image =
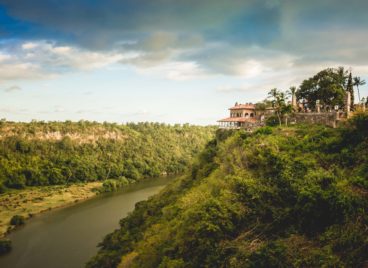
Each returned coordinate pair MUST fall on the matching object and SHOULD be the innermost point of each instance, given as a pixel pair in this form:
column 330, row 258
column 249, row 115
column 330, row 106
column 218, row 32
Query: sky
column 172, row 61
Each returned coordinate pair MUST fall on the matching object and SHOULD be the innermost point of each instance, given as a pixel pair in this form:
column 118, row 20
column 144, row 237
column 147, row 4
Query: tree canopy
column 327, row 86
column 39, row 153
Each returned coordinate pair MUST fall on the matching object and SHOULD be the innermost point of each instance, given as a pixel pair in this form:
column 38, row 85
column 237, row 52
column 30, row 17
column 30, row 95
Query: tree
column 342, row 75
column 278, row 100
column 327, row 86
column 350, row 88
column 358, row 82
column 292, row 90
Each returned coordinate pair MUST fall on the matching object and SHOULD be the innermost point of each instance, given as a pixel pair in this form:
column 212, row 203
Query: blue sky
column 165, row 60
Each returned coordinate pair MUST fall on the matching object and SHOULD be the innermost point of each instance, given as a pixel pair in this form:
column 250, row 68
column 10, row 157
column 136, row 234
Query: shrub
column 5, row 246
column 360, row 121
column 272, row 121
column 17, row 220
column 2, row 188
column 264, row 130
column 16, row 182
column 111, row 185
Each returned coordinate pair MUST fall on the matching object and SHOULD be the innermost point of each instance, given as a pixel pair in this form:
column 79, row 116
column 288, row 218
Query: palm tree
column 278, row 103
column 358, row 82
column 292, row 90
column 293, row 97
column 342, row 75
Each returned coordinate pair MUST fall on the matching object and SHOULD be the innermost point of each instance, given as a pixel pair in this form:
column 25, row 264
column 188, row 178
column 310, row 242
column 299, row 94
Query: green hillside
column 39, row 153
column 280, row 197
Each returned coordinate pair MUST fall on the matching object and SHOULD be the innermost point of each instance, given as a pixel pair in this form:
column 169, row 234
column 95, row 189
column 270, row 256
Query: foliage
column 113, row 185
column 53, row 153
column 327, row 86
column 17, row 220
column 5, row 246
column 264, row 130
column 358, row 82
column 350, row 88
column 272, row 121
column 278, row 100
column 289, row 197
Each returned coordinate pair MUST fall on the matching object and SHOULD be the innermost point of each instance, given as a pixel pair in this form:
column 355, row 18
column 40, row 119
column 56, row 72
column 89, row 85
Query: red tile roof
column 243, row 106
column 239, row 119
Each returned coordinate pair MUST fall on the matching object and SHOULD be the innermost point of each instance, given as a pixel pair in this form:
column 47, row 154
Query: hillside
column 53, row 153
column 280, row 197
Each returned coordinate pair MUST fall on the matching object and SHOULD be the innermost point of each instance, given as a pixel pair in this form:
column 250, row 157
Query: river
column 67, row 237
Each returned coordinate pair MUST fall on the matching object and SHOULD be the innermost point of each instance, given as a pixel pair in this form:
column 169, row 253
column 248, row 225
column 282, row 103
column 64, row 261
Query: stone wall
column 329, row 119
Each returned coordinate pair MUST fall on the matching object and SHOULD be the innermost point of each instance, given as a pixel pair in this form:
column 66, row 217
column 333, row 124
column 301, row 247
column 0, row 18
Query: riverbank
column 75, row 230
column 34, row 200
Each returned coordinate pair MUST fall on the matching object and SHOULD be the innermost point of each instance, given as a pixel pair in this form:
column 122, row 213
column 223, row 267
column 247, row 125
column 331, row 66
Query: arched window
column 251, row 115
column 246, row 115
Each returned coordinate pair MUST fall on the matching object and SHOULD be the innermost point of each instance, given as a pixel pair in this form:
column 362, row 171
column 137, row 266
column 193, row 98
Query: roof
column 249, row 106
column 239, row 119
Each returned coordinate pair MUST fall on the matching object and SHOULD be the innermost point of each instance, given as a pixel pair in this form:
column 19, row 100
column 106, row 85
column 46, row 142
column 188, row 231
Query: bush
column 17, row 220
column 113, row 185
column 16, row 182
column 2, row 188
column 360, row 121
column 272, row 254
column 5, row 246
column 272, row 121
column 264, row 130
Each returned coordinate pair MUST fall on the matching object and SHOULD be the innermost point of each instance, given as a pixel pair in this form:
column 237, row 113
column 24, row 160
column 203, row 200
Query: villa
column 244, row 116
column 250, row 116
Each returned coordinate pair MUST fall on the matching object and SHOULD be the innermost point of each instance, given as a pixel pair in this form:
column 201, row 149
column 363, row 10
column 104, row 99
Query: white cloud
column 4, row 57
column 43, row 60
column 176, row 70
column 63, row 50
column 29, row 45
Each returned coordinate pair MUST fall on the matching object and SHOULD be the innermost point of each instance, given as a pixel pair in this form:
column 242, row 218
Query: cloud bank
column 184, row 39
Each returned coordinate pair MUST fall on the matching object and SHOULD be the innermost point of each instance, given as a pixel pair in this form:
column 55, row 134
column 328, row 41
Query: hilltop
column 278, row 197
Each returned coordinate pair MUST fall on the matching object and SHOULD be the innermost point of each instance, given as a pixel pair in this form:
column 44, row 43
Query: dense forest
column 278, row 197
column 40, row 153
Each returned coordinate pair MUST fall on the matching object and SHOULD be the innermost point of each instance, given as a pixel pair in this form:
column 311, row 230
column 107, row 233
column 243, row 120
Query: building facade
column 241, row 116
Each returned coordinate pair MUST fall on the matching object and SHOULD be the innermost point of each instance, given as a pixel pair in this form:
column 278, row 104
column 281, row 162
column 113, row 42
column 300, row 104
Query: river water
column 67, row 237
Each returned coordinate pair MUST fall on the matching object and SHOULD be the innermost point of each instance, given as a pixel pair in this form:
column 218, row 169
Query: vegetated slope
column 39, row 153
column 281, row 197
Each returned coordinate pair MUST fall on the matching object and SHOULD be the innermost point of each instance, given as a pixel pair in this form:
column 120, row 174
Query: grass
column 34, row 200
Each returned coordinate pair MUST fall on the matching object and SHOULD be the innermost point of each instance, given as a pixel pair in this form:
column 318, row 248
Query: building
column 249, row 117
column 241, row 116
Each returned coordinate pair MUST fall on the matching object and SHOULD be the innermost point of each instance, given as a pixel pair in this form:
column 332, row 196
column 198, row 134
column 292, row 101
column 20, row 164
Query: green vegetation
column 34, row 200
column 278, row 100
column 358, row 82
column 279, row 197
column 5, row 246
column 328, row 86
column 39, row 153
column 113, row 185
column 17, row 220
